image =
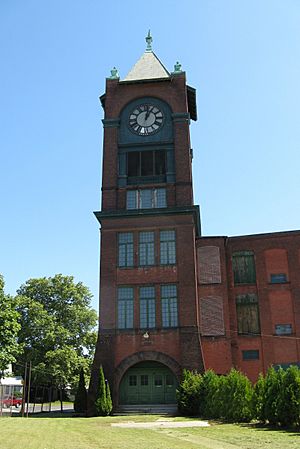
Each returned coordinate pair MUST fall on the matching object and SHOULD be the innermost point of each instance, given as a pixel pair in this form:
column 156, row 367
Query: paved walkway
column 161, row 423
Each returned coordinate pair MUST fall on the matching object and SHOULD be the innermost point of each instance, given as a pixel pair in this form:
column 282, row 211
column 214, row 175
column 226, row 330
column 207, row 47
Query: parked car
column 11, row 401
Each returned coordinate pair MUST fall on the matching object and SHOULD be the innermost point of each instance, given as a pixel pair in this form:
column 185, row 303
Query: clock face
column 145, row 119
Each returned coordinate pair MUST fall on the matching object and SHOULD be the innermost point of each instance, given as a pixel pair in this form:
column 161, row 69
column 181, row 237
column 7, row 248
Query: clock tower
column 149, row 312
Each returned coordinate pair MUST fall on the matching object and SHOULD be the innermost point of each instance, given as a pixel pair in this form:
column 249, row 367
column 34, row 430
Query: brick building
column 169, row 297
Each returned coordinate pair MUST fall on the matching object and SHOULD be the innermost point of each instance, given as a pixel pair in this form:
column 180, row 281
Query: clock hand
column 148, row 112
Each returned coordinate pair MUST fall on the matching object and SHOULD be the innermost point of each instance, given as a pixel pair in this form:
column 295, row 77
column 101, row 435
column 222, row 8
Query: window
column 243, row 265
column 251, row 354
column 158, row 381
column 125, row 243
column 146, row 163
column 169, row 305
column 144, row 380
column 125, row 307
column 247, row 314
column 146, row 199
column 167, row 247
column 283, row 329
column 146, row 248
column 169, row 380
column 278, row 278
column 132, row 381
column 147, row 307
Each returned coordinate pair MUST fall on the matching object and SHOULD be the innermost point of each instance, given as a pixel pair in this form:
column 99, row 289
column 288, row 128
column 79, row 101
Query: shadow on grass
column 269, row 428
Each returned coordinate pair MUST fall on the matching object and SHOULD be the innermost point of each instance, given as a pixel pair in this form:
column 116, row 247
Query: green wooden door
column 148, row 383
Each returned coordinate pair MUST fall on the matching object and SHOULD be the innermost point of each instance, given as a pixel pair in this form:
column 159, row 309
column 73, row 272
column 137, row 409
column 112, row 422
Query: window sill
column 279, row 283
column 147, row 266
column 249, row 335
column 241, row 284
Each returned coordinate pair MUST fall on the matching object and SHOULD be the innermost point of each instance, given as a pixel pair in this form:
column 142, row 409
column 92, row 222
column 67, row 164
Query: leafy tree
column 57, row 329
column 80, row 403
column 189, row 393
column 103, row 401
column 9, row 328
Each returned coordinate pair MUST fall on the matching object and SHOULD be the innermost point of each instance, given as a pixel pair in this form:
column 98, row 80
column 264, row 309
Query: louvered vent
column 211, row 316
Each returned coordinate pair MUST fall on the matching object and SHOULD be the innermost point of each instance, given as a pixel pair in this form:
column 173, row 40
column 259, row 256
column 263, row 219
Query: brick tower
column 149, row 314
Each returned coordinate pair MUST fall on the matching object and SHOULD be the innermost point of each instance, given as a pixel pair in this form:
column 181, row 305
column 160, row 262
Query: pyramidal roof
column 148, row 66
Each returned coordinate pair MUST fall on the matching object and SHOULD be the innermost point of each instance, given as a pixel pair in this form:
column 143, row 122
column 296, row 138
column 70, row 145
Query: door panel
column 153, row 385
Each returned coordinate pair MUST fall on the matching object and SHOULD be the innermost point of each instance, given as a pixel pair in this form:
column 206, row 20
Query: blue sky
column 242, row 56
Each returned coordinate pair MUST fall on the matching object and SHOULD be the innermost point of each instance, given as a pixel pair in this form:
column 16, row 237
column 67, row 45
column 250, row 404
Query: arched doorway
column 148, row 383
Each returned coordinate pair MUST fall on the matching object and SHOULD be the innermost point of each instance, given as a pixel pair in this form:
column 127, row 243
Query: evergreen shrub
column 103, row 401
column 80, row 403
column 189, row 393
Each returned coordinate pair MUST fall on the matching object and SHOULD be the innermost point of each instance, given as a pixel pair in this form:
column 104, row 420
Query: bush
column 258, row 399
column 273, row 387
column 103, row 402
column 210, row 405
column 235, row 397
column 80, row 403
column 288, row 405
column 189, row 393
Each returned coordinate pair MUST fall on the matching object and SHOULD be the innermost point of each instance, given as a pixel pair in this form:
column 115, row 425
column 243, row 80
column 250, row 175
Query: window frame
column 243, row 302
column 134, row 198
column 167, row 247
column 252, row 354
column 127, row 303
column 169, row 314
column 149, row 248
column 128, row 248
column 244, row 267
column 147, row 304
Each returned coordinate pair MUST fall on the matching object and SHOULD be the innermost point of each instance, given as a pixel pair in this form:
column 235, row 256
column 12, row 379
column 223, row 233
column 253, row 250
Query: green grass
column 97, row 433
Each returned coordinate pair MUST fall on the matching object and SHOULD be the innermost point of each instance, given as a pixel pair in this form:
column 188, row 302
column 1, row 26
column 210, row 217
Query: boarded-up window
column 211, row 316
column 243, row 265
column 247, row 314
column 209, row 266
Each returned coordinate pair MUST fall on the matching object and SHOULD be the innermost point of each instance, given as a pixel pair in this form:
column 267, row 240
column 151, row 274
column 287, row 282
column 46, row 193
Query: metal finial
column 149, row 41
column 177, row 67
column 114, row 74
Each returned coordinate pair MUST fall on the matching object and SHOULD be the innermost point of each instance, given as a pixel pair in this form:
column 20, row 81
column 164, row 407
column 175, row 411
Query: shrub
column 189, row 393
column 109, row 405
column 258, row 400
column 210, row 403
column 80, row 403
column 235, row 397
column 288, row 405
column 103, row 402
column 273, row 387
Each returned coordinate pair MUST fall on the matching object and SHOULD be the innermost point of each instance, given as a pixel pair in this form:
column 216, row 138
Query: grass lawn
column 97, row 433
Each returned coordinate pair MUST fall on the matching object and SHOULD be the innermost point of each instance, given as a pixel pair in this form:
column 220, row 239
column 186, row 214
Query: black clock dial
column 145, row 119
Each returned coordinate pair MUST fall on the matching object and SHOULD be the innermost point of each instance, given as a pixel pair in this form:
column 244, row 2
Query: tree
column 236, row 394
column 9, row 328
column 57, row 329
column 80, row 403
column 189, row 393
column 288, row 408
column 103, row 402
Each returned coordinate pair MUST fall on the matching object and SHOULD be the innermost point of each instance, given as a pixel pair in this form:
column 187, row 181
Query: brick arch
column 145, row 356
